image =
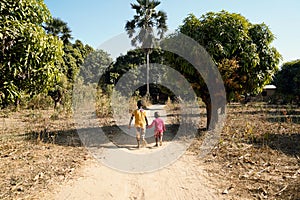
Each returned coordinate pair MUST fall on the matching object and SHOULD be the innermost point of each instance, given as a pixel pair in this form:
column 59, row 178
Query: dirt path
column 184, row 179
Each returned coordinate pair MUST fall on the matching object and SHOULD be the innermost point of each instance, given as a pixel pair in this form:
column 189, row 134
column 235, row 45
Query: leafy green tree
column 75, row 55
column 84, row 50
column 28, row 54
column 241, row 50
column 73, row 58
column 145, row 20
column 69, row 66
column 94, row 66
column 238, row 47
column 287, row 81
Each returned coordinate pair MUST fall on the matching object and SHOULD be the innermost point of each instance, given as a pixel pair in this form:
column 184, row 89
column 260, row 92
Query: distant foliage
column 94, row 66
column 287, row 81
column 131, row 61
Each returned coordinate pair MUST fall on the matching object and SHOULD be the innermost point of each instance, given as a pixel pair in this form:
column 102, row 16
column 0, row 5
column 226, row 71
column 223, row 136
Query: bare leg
column 156, row 141
column 143, row 137
column 138, row 138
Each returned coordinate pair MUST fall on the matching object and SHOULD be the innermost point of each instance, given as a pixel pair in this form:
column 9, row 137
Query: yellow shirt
column 139, row 118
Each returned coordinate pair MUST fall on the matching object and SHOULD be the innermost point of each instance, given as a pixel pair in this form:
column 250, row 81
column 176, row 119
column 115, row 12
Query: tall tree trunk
column 17, row 103
column 147, row 74
column 212, row 115
column 208, row 114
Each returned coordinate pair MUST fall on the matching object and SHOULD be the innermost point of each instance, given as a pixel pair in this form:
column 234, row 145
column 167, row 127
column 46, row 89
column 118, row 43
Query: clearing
column 257, row 157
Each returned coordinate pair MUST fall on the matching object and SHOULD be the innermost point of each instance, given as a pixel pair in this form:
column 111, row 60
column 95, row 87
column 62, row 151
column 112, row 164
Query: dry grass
column 37, row 151
column 257, row 157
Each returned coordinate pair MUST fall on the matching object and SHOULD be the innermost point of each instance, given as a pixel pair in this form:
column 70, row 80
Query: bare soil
column 258, row 156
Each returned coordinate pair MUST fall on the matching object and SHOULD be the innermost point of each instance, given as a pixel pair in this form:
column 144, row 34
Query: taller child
column 141, row 121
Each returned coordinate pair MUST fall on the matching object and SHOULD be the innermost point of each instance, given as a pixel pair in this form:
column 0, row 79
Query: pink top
column 159, row 125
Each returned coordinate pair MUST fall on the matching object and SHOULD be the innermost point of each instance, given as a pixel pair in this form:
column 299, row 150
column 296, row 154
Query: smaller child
column 160, row 127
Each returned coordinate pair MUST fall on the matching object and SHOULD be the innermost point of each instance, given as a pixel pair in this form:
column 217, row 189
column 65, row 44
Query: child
column 159, row 128
column 140, row 124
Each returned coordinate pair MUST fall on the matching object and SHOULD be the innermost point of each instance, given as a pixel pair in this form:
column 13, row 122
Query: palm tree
column 145, row 21
column 59, row 28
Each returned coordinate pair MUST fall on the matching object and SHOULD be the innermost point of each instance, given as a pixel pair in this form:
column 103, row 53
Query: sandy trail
column 184, row 179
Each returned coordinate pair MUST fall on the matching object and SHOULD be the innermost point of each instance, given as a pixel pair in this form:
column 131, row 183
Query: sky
column 95, row 22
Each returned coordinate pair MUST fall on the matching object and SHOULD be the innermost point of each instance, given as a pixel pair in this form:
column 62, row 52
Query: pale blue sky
column 96, row 21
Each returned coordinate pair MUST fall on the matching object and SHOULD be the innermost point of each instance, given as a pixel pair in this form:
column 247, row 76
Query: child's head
column 156, row 115
column 139, row 103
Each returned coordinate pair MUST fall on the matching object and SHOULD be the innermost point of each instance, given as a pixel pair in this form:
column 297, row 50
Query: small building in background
column 266, row 95
column 268, row 91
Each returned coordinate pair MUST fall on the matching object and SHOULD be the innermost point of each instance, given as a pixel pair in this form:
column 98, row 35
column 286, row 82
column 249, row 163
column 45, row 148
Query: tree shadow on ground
column 284, row 118
column 289, row 144
column 121, row 139
column 95, row 136
column 279, row 112
column 68, row 137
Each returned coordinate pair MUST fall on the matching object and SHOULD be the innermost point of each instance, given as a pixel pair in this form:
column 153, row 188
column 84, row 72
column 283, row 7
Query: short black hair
column 139, row 103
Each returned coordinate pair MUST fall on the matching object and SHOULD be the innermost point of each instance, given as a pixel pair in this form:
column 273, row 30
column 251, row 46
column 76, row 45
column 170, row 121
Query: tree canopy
column 94, row 66
column 287, row 81
column 145, row 21
column 59, row 28
column 241, row 50
column 72, row 59
column 131, row 61
column 28, row 54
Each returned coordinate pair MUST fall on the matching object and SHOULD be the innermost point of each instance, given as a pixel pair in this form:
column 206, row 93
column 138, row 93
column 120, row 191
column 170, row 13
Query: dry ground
column 258, row 155
column 32, row 159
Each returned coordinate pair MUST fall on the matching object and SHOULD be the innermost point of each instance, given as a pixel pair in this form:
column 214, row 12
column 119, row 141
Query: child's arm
column 146, row 121
column 150, row 126
column 164, row 126
column 129, row 125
